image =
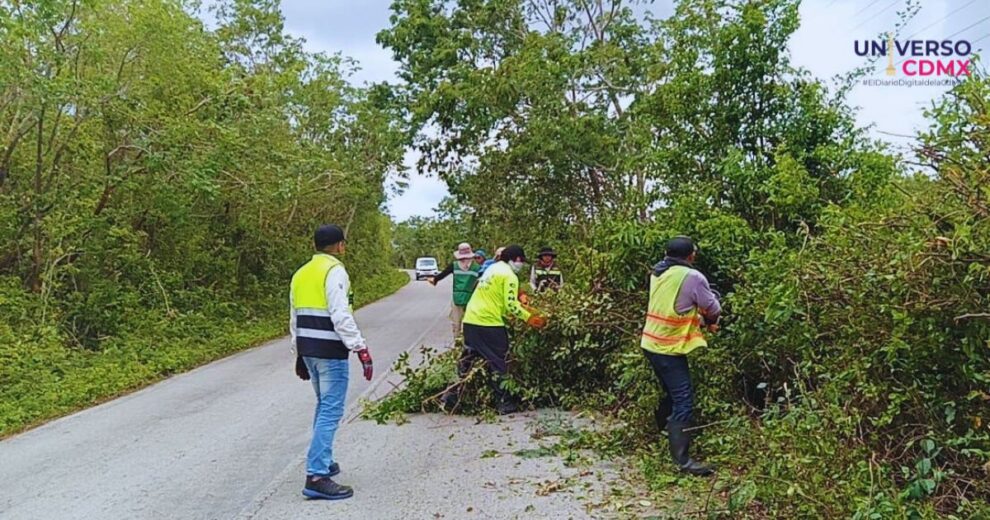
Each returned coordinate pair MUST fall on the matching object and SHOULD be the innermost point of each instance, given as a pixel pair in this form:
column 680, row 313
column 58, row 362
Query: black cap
column 327, row 235
column 546, row 251
column 680, row 247
column 512, row 252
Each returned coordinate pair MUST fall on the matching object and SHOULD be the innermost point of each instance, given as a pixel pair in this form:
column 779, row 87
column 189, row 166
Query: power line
column 964, row 29
column 936, row 22
column 878, row 13
column 960, row 31
column 861, row 11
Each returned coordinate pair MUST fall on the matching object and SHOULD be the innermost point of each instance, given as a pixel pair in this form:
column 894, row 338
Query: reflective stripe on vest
column 547, row 277
column 314, row 327
column 666, row 331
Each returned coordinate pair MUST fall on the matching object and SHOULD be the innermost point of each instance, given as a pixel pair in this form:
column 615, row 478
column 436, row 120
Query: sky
column 823, row 45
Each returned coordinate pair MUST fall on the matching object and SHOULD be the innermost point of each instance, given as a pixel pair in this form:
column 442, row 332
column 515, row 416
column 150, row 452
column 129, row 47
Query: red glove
column 536, row 321
column 365, row 357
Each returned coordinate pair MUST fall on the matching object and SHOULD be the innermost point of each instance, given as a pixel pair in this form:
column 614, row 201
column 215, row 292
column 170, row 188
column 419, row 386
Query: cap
column 681, row 247
column 546, row 251
column 327, row 235
column 512, row 252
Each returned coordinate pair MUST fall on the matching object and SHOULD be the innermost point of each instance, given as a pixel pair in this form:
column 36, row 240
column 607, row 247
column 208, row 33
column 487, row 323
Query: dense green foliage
column 851, row 376
column 159, row 183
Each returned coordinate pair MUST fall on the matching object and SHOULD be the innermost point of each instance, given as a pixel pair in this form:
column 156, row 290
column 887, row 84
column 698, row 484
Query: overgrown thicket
column 851, row 375
column 160, row 180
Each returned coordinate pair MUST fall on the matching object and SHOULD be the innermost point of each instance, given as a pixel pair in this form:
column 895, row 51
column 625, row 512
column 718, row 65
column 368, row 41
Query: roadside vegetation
column 851, row 378
column 160, row 180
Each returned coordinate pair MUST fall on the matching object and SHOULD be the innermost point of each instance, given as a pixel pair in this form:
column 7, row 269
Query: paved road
column 452, row 467
column 203, row 444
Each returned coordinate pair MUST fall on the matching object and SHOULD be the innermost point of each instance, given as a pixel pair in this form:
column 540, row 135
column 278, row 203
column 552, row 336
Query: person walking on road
column 485, row 333
column 324, row 333
column 465, row 272
column 545, row 275
column 680, row 298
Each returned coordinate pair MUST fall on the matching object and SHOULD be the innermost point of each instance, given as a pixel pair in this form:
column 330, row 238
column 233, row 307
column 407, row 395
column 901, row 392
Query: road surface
column 203, row 444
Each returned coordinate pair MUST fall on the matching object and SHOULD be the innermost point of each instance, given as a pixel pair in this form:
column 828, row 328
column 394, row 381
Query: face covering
column 516, row 266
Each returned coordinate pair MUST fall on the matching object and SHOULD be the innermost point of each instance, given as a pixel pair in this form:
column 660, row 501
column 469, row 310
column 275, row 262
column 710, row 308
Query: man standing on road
column 679, row 298
column 545, row 274
column 324, row 333
column 485, row 333
column 465, row 273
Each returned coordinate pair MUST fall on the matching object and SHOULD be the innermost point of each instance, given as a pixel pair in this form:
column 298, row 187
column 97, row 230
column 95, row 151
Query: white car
column 426, row 266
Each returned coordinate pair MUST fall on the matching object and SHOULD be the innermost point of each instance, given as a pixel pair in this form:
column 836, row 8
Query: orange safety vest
column 666, row 331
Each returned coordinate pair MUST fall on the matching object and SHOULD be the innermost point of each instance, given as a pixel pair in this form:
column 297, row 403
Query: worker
column 488, row 263
column 544, row 274
column 485, row 333
column 465, row 272
column 324, row 333
column 680, row 298
column 480, row 256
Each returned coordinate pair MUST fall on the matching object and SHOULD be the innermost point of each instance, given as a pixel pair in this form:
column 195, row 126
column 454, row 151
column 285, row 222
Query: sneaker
column 326, row 488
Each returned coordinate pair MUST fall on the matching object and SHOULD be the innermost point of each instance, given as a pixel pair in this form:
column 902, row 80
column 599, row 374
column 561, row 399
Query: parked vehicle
column 425, row 267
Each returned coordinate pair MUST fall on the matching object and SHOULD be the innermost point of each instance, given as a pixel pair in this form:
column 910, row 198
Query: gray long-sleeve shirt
column 696, row 292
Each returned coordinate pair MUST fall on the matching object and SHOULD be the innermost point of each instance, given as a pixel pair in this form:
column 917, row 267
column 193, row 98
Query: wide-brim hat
column 546, row 251
column 464, row 252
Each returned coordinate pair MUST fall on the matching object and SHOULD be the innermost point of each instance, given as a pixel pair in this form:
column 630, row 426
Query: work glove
column 301, row 370
column 365, row 357
column 536, row 321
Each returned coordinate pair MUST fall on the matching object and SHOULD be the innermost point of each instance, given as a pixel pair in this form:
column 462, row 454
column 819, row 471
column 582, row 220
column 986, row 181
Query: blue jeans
column 672, row 371
column 329, row 377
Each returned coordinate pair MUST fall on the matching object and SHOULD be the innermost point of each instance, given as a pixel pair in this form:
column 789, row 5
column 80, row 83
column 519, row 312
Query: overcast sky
column 823, row 45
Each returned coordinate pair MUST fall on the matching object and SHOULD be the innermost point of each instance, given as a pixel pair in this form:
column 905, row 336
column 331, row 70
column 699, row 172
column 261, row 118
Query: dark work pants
column 491, row 343
column 675, row 379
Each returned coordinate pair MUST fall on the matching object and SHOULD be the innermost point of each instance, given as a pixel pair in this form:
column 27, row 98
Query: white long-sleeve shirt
column 338, row 286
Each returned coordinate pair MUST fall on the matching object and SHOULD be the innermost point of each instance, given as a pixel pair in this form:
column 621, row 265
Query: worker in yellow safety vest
column 681, row 303
column 485, row 334
column 324, row 333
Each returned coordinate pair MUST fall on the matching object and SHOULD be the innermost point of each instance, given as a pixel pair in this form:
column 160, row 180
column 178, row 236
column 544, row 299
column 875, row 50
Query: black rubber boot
column 680, row 443
column 662, row 413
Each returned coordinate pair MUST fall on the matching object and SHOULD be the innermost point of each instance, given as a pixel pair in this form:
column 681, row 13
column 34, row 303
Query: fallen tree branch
column 973, row 315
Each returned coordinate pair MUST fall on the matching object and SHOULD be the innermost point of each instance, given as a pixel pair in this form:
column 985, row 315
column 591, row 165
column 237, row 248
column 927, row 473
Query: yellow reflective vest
column 315, row 334
column 666, row 331
column 495, row 297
